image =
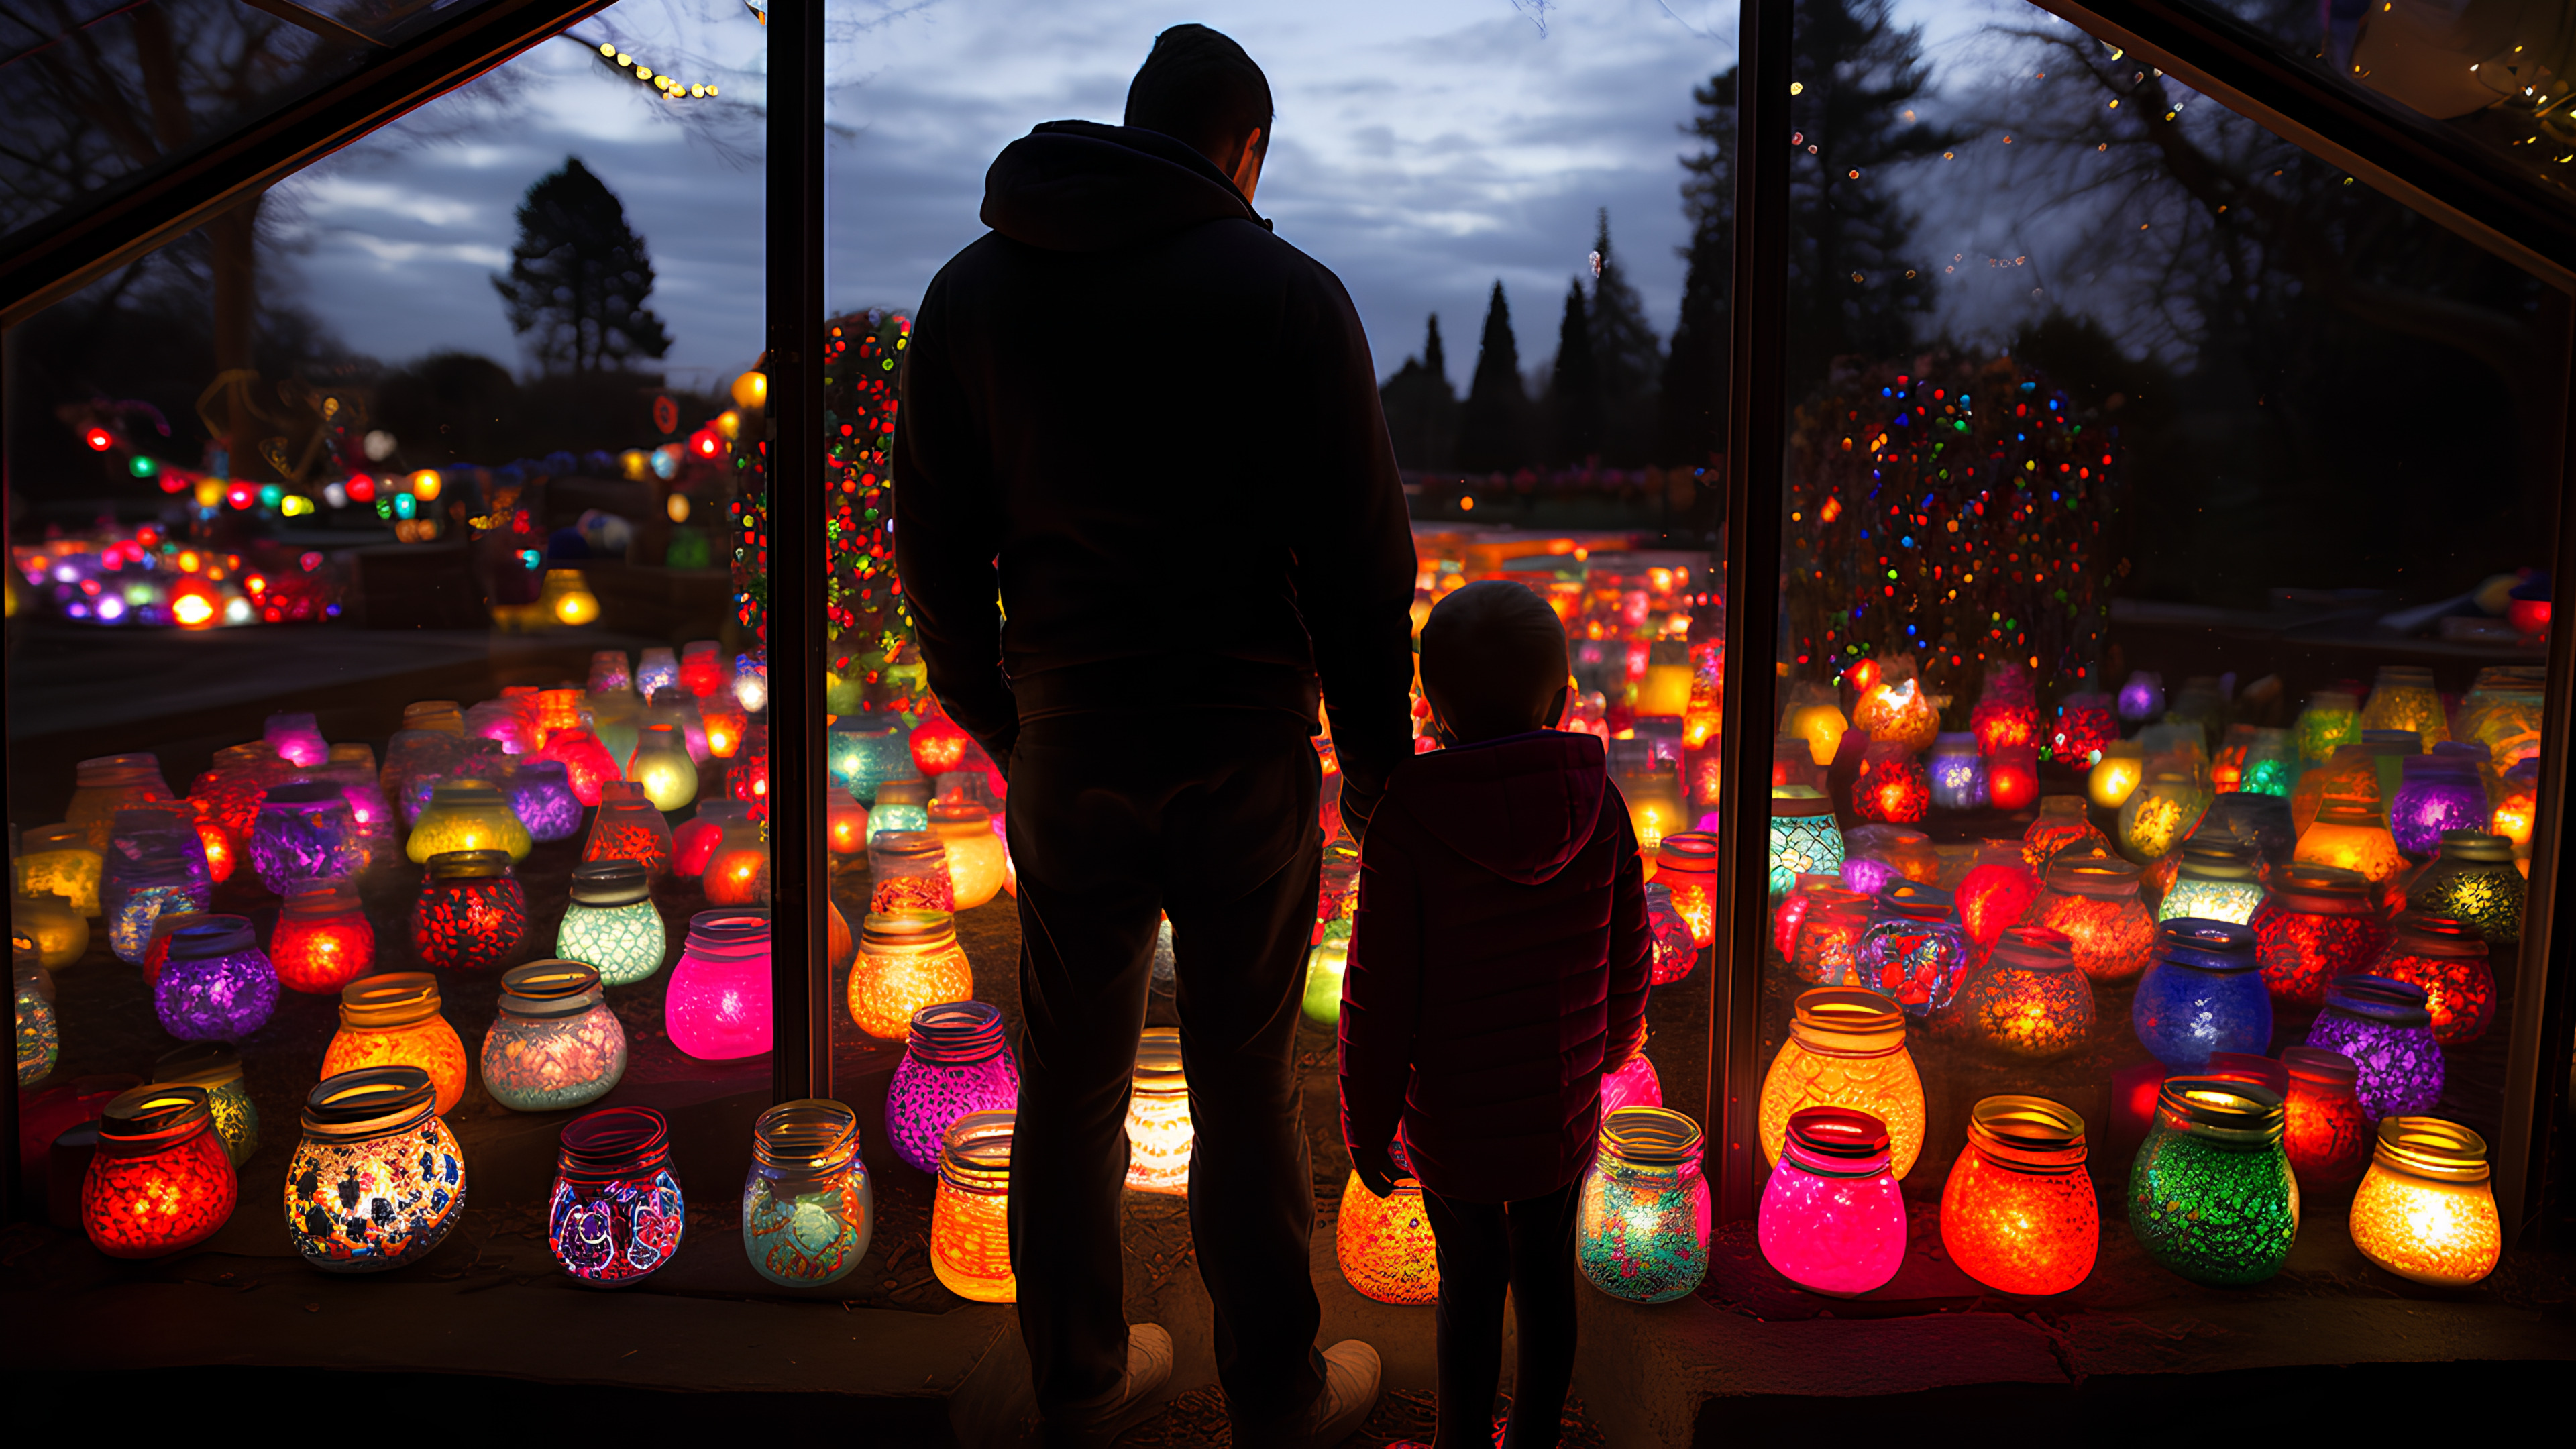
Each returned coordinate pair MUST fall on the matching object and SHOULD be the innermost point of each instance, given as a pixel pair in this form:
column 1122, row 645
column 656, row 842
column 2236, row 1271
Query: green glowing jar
column 2211, row 1195
column 215, row 1066
column 612, row 925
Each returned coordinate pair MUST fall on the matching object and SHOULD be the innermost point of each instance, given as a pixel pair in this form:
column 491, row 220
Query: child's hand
column 1377, row 1172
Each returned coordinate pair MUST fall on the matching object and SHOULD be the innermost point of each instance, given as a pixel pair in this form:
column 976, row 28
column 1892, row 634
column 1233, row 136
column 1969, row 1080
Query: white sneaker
column 1149, row 1367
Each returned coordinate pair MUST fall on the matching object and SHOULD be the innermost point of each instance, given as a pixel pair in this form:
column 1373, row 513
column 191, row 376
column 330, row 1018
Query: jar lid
column 956, row 1032
column 2478, row 846
column 2206, row 945
column 552, row 988
column 2379, row 998
column 610, row 883
column 1650, row 1136
column 1158, row 1060
column 904, row 792
column 1844, row 1138
column 2330, row 1071
column 2095, row 877
column 907, row 930
column 2431, row 1147
column 335, row 899
column 907, row 844
column 733, row 934
column 2384, row 743
column 369, row 1102
column 1691, row 852
column 955, row 812
column 152, row 1118
column 395, row 998
column 543, row 771
column 2034, row 948
column 354, row 754
column 207, row 1064
column 2216, row 860
column 2424, row 933
column 2323, row 890
column 2239, row 1113
column 469, row 864
column 975, row 1153
column 2032, row 1133
column 1849, row 1021
column 614, row 1143
column 464, row 792
column 1913, row 900
column 211, row 938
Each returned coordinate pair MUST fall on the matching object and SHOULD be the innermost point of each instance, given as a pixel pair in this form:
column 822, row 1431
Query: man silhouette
column 1146, row 509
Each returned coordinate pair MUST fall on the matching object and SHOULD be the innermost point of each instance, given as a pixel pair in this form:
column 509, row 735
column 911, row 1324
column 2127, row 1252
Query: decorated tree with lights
column 872, row 658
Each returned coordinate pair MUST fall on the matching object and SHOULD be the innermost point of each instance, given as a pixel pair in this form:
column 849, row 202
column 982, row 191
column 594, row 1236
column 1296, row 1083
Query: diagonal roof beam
column 320, row 24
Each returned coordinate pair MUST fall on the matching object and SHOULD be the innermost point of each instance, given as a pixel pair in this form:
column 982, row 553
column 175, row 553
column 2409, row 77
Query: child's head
column 1493, row 663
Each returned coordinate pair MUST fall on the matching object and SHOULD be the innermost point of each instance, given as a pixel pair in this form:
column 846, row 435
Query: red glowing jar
column 1995, row 893
column 2317, row 924
column 1829, row 936
column 1675, row 954
column 703, row 668
column 2012, row 777
column 627, row 827
column 587, row 763
column 737, row 869
column 939, row 745
column 160, row 1182
column 694, row 842
column 1893, row 785
column 2018, row 1212
column 2007, row 715
column 2449, row 961
column 2093, row 901
column 471, row 914
column 748, row 779
column 2085, row 727
column 2327, row 1134
column 1686, row 865
column 323, row 940
column 1787, row 916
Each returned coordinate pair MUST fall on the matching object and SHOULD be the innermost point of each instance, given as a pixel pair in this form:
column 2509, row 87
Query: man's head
column 1198, row 86
column 1493, row 663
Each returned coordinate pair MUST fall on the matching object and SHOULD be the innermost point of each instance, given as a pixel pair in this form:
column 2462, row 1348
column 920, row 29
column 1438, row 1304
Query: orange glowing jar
column 2325, row 1130
column 159, row 1182
column 2027, row 1000
column 2425, row 1211
column 725, row 722
column 737, row 870
column 561, row 709
column 59, row 933
column 1159, row 1135
column 58, row 860
column 2352, row 776
column 1813, row 716
column 103, row 786
column 907, row 960
column 1384, row 1243
column 2094, row 902
column 845, row 826
column 2061, row 827
column 2117, row 774
column 2018, row 1212
column 1893, row 785
column 965, row 831
column 1686, row 866
column 393, row 1020
column 2351, row 837
column 628, row 827
column 1846, row 1048
column 323, row 940
column 1894, row 708
column 970, row 1228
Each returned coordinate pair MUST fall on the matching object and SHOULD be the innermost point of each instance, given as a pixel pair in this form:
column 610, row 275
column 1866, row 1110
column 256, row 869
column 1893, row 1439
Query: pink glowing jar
column 718, row 1007
column 1832, row 1219
column 1633, row 1085
column 587, row 763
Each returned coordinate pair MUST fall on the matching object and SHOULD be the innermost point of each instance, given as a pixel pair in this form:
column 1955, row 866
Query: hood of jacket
column 1076, row 186
column 1521, row 806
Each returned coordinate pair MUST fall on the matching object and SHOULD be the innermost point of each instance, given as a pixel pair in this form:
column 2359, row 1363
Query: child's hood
column 1520, row 806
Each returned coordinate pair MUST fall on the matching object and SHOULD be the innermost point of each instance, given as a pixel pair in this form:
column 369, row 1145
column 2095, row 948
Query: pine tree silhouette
column 1692, row 415
column 1626, row 356
column 1491, row 436
column 579, row 276
column 1421, row 406
column 1574, row 386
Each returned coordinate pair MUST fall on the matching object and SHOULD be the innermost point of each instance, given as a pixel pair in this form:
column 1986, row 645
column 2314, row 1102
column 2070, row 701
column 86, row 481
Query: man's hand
column 1377, row 1172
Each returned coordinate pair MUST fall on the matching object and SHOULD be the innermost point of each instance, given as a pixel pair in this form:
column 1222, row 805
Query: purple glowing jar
column 297, row 739
column 2383, row 1027
column 2435, row 793
column 956, row 1063
column 217, row 984
column 305, row 836
column 541, row 796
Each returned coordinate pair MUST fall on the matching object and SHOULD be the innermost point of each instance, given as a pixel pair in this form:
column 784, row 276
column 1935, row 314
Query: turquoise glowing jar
column 899, row 805
column 2203, row 993
column 863, row 756
column 1805, row 840
column 808, row 1210
column 1642, row 1219
column 612, row 925
column 2211, row 1195
column 554, row 1043
column 2217, row 881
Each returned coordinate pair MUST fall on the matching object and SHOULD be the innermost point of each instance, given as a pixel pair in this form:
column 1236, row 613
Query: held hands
column 1377, row 1172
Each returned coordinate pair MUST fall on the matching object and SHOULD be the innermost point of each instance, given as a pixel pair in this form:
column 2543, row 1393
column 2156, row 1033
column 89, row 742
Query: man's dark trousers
column 1207, row 816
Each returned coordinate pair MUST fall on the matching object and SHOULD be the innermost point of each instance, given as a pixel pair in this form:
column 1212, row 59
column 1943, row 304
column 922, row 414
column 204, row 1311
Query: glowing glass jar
column 38, row 1025
column 103, row 786
column 2203, row 994
column 970, row 1229
column 656, row 669
column 2326, row 1132
column 864, row 756
column 587, row 763
column 737, row 868
column 1915, row 951
column 751, row 681
column 1383, row 1244
column 1832, row 1219
column 563, row 709
column 679, row 711
column 703, row 667
column 1846, row 1048
column 2403, row 698
column 900, row 805
column 2318, row 923
column 2085, row 726
column 2331, row 719
column 616, row 1216
column 725, row 724
column 1829, row 936
column 629, row 827
column 661, row 764
column 610, row 672
column 2007, row 712
column 845, row 826
column 2349, row 836
column 305, row 836
column 1893, row 708
column 1159, row 1135
column 965, row 831
column 2027, row 1000
column 2142, row 698
column 159, row 885
column 719, row 1002
column 957, row 1063
column 2018, row 1213
column 1674, row 952
column 2060, row 827
column 2425, row 1211
column 910, row 873
column 2094, row 902
column 2012, row 778
column 58, row 860
column 1642, row 1226
column 1877, row 856
column 808, row 1210
column 2217, row 882
column 2116, row 775
column 1812, row 715
column 907, row 960
column 1686, row 865
column 1892, row 786
column 694, row 841
column 159, row 1181
column 377, row 1180
column 2211, row 1195
column 2436, row 794
column 1633, row 1084
column 2382, row 1026
column 611, row 924
column 618, row 720
column 216, row 985
column 353, row 769
column 467, row 815
column 2475, row 882
column 1995, row 893
column 2518, row 806
column 60, row 934
column 215, row 1068
column 504, row 723
column 553, row 1043
column 2159, row 813
column 1958, row 773
column 2449, row 963
column 471, row 914
column 394, row 1020
column 540, row 794
column 1651, row 786
column 1805, row 840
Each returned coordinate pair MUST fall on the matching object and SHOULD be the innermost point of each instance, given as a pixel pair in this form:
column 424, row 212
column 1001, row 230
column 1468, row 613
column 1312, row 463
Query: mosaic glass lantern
column 2435, row 794
column 2326, row 1133
column 467, row 815
column 900, row 805
column 2270, row 765
column 726, row 723
column 1829, row 936
column 553, row 1043
column 910, row 873
column 1383, row 1244
column 587, row 762
column 2426, row 1211
column 2475, row 882
column 60, row 934
column 2142, row 698
column 737, row 868
column 719, row 1002
column 1159, row 1135
column 58, row 860
column 2518, row 807
column 863, row 756
column 1674, row 952
column 2403, row 698
column 2449, row 963
column 808, row 1210
column 2317, row 924
column 305, row 836
column 2211, row 1195
column 2060, row 827
column 216, row 985
column 656, row 669
column 39, row 1031
column 2017, row 1212
column 1893, row 785
column 541, row 795
column 2116, row 775
column 1892, row 707
column 215, row 1067
column 628, row 827
column 2085, row 727
column 2349, row 836
column 378, row 1180
column 159, row 885
column 2203, row 994
column 611, row 924
column 970, row 1231
column 1915, row 951
column 2217, row 882
column 471, row 914
column 2331, row 719
column 2382, row 1026
column 751, row 681
column 907, row 960
column 159, row 1181
column 1846, row 1048
column 2160, row 813
column 616, row 1216
column 323, row 940
column 2007, row 712
column 1805, row 840
column 1958, row 773
column 1642, row 1223
column 2503, row 713
column 2094, row 902
column 394, row 1020
column 957, row 1063
column 2027, row 1000
column 1832, row 1219
column 1995, row 893
column 1685, row 864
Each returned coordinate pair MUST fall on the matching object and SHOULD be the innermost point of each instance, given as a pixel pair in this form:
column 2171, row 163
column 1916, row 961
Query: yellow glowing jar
column 61, row 934
column 907, row 960
column 2117, row 775
column 661, row 764
column 2160, row 813
column 103, row 786
column 468, row 815
column 393, row 1020
column 2351, row 837
column 970, row 1226
column 58, row 860
column 974, row 851
column 1158, row 1116
column 1384, row 1243
column 1846, row 1048
column 2425, row 1210
column 1665, row 692
column 1813, row 716
column 2403, row 698
column 567, row 600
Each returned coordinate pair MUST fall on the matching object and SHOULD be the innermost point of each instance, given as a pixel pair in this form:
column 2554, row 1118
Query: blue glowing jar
column 305, row 835
column 1915, row 950
column 1958, row 773
column 217, row 984
column 2203, row 992
column 146, row 832
column 808, row 1210
column 2435, row 793
column 2384, row 1026
column 541, row 796
column 160, row 884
